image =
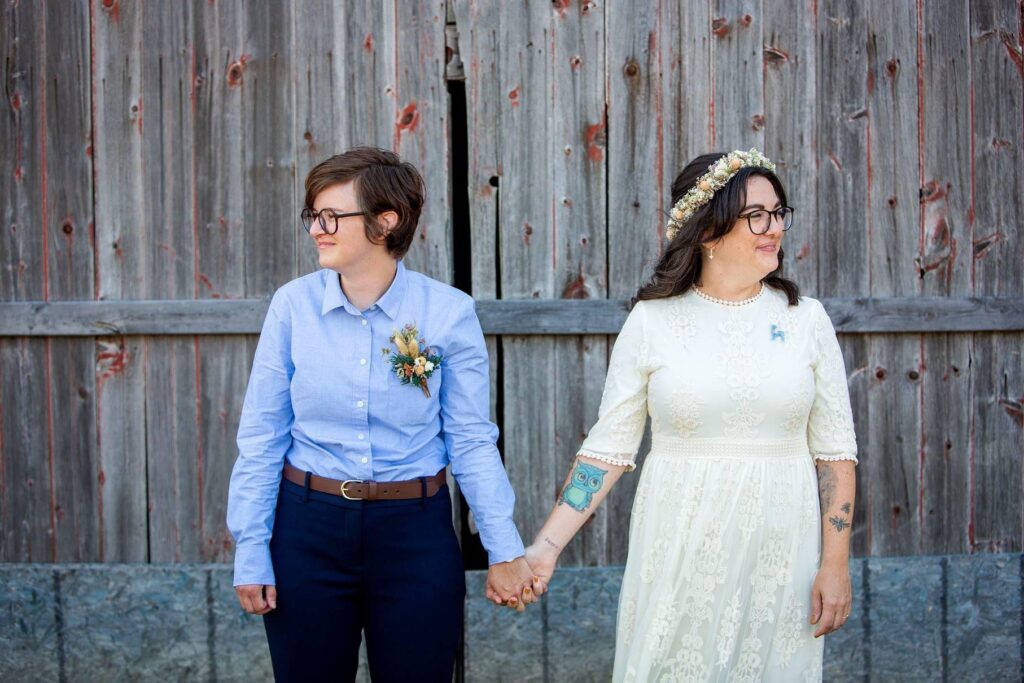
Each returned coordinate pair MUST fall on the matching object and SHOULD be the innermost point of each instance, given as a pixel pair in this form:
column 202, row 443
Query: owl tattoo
column 584, row 482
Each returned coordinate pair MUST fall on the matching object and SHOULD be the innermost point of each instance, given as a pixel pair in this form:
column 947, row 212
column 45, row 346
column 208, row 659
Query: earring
column 711, row 253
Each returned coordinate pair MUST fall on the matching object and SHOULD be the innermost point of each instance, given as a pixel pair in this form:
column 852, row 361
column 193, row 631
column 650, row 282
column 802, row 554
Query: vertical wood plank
column 842, row 247
column 146, row 206
column 639, row 175
column 421, row 127
column 789, row 55
column 67, row 211
column 246, row 221
column 578, row 149
column 26, row 446
column 478, row 44
column 345, row 89
column 894, row 398
column 526, row 215
column 738, row 85
column 945, row 265
column 998, row 185
column 688, row 88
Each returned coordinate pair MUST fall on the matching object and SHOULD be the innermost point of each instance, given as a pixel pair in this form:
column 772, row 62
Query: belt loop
column 423, row 492
column 306, row 491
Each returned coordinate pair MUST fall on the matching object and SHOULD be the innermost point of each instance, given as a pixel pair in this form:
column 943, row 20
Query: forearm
column 837, row 487
column 577, row 502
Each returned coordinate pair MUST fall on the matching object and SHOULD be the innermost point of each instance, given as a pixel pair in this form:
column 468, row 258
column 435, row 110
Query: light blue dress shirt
column 323, row 397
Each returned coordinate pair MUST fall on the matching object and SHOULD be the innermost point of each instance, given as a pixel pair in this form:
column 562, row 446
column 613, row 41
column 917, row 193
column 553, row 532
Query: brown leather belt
column 353, row 489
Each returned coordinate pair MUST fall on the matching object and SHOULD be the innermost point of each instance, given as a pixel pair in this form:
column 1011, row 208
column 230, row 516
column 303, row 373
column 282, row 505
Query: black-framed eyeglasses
column 760, row 221
column 309, row 215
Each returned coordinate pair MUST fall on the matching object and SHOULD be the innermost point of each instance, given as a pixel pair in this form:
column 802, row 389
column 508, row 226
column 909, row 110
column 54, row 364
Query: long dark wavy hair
column 679, row 267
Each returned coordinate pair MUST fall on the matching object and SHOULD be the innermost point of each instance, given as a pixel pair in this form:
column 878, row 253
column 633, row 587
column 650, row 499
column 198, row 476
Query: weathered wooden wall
column 157, row 152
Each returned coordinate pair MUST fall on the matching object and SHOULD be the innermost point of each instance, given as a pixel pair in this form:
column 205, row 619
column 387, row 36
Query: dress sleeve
column 616, row 435
column 830, row 434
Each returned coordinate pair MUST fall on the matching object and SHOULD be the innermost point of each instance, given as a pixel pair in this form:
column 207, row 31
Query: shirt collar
column 389, row 302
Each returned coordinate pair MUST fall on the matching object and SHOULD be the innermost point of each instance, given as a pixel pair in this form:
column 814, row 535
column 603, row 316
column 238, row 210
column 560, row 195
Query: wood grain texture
column 789, row 60
column 945, row 269
column 998, row 182
column 893, row 431
column 738, row 74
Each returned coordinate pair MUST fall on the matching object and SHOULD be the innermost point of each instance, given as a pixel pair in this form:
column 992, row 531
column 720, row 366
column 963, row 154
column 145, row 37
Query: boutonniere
column 415, row 362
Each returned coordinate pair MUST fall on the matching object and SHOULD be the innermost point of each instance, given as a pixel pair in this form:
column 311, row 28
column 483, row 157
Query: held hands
column 512, row 584
column 831, row 598
column 257, row 599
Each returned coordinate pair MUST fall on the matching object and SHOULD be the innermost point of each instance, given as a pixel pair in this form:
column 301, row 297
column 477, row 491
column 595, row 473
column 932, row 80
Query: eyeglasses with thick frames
column 760, row 221
column 309, row 215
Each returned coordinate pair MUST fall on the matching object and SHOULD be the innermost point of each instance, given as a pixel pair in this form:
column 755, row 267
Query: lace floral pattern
column 725, row 534
column 743, row 372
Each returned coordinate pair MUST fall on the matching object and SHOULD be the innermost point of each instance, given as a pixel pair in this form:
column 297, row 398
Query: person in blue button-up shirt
column 320, row 552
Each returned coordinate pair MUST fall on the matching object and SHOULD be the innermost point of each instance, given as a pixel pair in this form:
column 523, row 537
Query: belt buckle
column 345, row 483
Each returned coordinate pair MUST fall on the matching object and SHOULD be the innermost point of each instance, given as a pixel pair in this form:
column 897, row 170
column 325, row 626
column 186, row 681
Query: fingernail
column 527, row 590
column 512, row 601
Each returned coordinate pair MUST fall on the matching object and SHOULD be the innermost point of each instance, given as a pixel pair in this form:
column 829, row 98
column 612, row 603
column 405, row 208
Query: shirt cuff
column 507, row 547
column 253, row 566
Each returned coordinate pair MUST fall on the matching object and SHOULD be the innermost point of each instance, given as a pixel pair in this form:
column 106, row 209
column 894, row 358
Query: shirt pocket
column 409, row 405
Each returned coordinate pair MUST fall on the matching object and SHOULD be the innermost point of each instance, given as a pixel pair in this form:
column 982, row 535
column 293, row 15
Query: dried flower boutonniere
column 415, row 362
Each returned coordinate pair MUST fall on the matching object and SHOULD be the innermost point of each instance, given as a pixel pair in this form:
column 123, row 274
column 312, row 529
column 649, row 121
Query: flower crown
column 719, row 173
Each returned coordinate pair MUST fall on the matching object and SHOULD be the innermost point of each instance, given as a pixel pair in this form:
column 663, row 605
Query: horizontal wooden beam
column 529, row 317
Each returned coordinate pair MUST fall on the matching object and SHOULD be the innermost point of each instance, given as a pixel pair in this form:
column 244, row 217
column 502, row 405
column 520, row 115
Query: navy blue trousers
column 390, row 569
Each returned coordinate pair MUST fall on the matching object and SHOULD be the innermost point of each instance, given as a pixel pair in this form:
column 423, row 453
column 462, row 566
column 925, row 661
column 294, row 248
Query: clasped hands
column 521, row 582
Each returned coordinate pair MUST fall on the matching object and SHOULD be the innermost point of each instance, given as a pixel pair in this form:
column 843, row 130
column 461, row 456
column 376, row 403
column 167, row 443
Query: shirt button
column 361, row 436
column 366, row 460
column 360, row 404
column 364, row 322
column 362, row 361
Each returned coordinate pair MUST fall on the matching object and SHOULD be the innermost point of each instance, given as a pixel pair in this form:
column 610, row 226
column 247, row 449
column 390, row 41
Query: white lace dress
column 725, row 533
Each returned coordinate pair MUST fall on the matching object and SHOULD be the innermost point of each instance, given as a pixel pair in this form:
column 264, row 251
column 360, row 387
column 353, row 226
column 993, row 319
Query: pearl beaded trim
column 723, row 302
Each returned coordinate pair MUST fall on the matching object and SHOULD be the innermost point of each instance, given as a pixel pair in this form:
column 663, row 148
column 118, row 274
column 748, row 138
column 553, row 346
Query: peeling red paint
column 1014, row 52
column 408, row 119
column 999, row 144
column 746, row 20
column 835, row 161
column 774, row 56
column 934, row 191
column 206, row 281
column 560, row 6
column 237, row 70
column 15, row 100
column 1015, row 409
column 113, row 8
column 757, row 121
column 575, row 62
column 527, row 233
column 368, row 42
column 102, row 478
column 514, row 96
column 111, row 359
column 983, row 245
column 804, row 252
column 576, row 289
column 720, row 26
column 595, row 140
column 19, row 174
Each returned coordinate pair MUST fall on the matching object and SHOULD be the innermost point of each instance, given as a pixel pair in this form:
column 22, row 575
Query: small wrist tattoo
column 551, row 543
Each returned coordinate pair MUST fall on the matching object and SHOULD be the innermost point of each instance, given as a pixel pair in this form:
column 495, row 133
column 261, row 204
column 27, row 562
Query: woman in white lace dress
column 740, row 530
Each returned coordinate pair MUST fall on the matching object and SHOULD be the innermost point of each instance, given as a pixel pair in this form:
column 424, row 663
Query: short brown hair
column 382, row 182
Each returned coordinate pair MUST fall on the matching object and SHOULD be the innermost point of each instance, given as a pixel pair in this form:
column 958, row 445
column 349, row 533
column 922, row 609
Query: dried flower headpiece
column 719, row 173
